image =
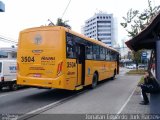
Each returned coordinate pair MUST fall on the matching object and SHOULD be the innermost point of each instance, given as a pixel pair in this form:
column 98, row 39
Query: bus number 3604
column 27, row 59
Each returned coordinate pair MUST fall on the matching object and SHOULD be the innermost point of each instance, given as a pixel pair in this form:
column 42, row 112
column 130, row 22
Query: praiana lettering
column 47, row 58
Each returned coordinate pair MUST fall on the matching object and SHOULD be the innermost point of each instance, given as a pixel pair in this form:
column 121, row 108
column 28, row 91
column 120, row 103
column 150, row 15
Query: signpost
column 144, row 56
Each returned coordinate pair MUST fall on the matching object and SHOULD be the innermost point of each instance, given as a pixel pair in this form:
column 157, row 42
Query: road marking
column 4, row 95
column 47, row 107
column 52, row 104
column 124, row 105
column 11, row 92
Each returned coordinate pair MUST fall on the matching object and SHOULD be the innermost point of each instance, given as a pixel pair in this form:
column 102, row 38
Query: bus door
column 80, row 64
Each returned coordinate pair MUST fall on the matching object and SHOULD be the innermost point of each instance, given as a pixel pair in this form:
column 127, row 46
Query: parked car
column 132, row 66
column 8, row 70
column 142, row 66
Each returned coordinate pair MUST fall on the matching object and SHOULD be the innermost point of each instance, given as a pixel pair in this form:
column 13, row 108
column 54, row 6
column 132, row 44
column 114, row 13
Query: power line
column 3, row 39
column 120, row 47
column 66, row 8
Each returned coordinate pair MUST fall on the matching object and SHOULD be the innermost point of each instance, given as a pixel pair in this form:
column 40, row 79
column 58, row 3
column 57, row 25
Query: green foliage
column 141, row 80
column 140, row 72
column 60, row 22
column 137, row 55
column 135, row 22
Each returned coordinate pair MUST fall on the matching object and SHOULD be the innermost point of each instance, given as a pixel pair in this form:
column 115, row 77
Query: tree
column 136, row 21
column 60, row 22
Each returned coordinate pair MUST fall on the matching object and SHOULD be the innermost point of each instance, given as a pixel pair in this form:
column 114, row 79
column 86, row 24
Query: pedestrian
column 149, row 86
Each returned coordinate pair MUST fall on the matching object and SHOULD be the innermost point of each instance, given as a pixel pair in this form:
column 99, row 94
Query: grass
column 138, row 89
column 140, row 72
column 141, row 80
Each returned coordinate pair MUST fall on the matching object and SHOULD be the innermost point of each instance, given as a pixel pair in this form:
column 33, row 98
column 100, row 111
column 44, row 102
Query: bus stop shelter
column 149, row 38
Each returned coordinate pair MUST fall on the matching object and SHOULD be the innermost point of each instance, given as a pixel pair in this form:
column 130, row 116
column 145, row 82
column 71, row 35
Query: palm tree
column 60, row 22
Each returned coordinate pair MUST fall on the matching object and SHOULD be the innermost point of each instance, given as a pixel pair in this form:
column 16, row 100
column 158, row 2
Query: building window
column 104, row 21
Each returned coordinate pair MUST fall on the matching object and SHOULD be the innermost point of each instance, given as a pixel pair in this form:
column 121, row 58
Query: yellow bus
column 57, row 57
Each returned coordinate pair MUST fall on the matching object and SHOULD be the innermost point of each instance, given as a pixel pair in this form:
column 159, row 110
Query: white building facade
column 8, row 53
column 101, row 27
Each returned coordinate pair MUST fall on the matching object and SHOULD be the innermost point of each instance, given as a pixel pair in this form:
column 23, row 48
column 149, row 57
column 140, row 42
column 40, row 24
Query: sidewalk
column 133, row 106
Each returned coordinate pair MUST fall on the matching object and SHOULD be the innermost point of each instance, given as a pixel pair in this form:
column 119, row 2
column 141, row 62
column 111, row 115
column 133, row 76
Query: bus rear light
column 59, row 69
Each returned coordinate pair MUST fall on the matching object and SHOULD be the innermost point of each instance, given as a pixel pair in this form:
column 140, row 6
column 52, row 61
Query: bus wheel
column 1, row 88
column 94, row 81
column 14, row 87
column 113, row 77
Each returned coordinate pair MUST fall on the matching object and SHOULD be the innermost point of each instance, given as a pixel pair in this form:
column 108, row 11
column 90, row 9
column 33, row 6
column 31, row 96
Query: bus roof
column 70, row 31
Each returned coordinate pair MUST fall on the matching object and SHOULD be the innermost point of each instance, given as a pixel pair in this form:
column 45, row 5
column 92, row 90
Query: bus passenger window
column 96, row 52
column 71, row 51
column 111, row 55
column 107, row 54
column 89, row 51
column 102, row 53
column 114, row 56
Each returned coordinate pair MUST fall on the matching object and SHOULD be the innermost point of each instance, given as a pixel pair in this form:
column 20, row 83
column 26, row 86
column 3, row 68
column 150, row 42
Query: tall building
column 101, row 27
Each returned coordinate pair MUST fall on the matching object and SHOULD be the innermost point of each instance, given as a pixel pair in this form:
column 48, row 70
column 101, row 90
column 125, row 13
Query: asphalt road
column 108, row 97
column 26, row 100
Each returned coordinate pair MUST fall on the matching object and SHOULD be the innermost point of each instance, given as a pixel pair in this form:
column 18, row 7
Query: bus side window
column 89, row 51
column 70, row 52
column 107, row 54
column 102, row 53
column 114, row 56
column 96, row 51
column 71, row 47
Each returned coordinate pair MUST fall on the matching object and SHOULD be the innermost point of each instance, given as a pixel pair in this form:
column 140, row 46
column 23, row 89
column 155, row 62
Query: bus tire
column 94, row 81
column 14, row 86
column 113, row 77
column 1, row 88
